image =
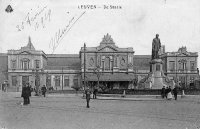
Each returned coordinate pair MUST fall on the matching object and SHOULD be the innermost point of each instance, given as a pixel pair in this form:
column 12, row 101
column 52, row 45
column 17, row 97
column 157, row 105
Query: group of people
column 26, row 93
column 167, row 93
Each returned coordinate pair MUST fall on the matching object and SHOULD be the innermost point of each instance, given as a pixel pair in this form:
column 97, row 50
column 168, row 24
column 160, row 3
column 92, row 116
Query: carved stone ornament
column 123, row 61
column 91, row 61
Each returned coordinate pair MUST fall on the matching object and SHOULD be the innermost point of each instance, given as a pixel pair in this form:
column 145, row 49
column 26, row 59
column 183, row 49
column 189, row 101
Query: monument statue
column 156, row 45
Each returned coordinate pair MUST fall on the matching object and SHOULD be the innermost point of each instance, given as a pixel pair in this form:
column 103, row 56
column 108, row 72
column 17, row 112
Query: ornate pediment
column 107, row 44
column 107, row 39
column 25, row 53
column 182, row 61
column 107, row 49
column 183, row 54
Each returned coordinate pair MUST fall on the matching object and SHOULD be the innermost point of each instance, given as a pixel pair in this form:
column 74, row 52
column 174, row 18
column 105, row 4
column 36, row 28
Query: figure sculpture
column 156, row 45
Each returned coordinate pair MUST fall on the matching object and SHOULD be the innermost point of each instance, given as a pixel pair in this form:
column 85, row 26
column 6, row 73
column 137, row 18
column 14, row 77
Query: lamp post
column 97, row 72
column 84, row 66
column 36, row 81
column 62, row 78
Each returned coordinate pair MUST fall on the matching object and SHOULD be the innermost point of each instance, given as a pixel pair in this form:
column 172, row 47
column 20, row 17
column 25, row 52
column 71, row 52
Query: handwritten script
column 35, row 19
column 59, row 35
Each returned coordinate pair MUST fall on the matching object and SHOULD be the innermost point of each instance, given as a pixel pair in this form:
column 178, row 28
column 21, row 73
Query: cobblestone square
column 70, row 112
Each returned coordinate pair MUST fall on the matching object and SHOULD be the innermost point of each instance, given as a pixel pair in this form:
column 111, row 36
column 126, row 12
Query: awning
column 110, row 77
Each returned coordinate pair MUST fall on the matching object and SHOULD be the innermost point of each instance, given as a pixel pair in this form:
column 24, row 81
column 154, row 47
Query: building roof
column 107, row 45
column 3, row 62
column 66, row 61
column 3, row 54
column 28, row 49
column 29, row 46
column 63, row 55
column 182, row 51
column 141, row 62
column 62, row 68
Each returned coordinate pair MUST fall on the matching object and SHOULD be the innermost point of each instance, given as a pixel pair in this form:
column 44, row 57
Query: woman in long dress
column 169, row 95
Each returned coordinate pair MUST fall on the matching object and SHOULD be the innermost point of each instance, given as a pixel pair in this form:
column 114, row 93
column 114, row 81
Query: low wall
column 148, row 92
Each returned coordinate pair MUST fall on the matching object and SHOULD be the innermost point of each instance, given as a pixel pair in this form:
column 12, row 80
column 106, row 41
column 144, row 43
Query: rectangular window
column 157, row 67
column 184, row 66
column 192, row 65
column 25, row 65
column 14, row 80
column 14, row 64
column 66, row 81
column 57, row 80
column 192, row 79
column 37, row 64
column 172, row 65
column 180, row 66
column 75, row 81
column 48, row 81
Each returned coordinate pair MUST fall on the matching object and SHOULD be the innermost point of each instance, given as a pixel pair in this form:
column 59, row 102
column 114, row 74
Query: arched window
column 107, row 63
column 25, row 63
column 13, row 64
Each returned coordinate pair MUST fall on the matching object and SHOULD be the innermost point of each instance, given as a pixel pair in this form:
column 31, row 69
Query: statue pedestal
column 157, row 79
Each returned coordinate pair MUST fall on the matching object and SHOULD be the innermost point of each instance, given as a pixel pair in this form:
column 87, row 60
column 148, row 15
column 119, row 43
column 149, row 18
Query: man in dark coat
column 163, row 92
column 166, row 92
column 28, row 88
column 44, row 89
column 95, row 93
column 29, row 92
column 87, row 92
column 25, row 95
column 175, row 92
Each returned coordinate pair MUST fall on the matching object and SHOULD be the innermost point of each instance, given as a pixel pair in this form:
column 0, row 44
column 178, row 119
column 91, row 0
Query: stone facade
column 181, row 66
column 28, row 65
column 63, row 71
column 112, row 62
column 24, row 65
column 108, row 64
column 3, row 68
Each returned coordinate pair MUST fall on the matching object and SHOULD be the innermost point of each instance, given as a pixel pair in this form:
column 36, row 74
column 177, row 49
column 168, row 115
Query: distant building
column 113, row 64
column 181, row 66
column 27, row 65
column 3, row 68
column 24, row 65
column 107, row 64
column 63, row 71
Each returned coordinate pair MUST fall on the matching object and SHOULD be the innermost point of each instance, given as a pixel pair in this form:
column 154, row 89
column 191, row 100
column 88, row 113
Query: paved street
column 70, row 112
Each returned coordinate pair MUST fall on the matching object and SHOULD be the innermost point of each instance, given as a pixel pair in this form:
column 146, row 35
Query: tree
column 98, row 73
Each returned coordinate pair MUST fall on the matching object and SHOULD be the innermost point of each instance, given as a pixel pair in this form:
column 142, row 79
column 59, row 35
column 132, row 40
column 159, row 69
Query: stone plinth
column 157, row 79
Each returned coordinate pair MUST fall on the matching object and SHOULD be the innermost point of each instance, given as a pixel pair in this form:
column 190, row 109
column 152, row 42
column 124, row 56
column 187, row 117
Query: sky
column 63, row 26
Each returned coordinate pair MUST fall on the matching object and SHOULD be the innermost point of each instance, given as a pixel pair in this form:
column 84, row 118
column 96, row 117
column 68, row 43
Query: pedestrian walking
column 95, row 93
column 163, row 92
column 44, row 89
column 175, row 92
column 87, row 92
column 28, row 88
column 25, row 95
